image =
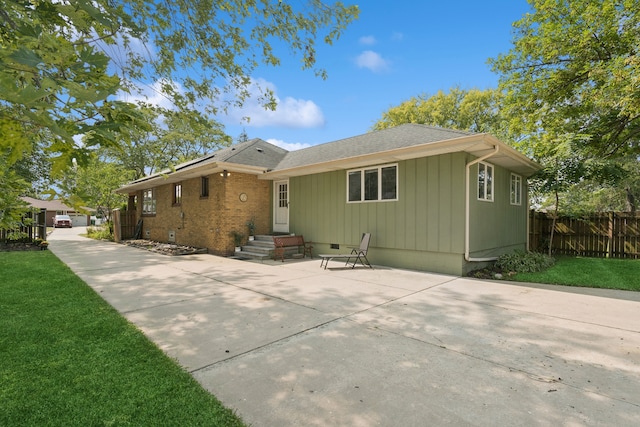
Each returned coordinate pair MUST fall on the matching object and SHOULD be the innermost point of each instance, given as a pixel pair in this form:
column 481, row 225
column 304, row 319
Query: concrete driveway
column 295, row 345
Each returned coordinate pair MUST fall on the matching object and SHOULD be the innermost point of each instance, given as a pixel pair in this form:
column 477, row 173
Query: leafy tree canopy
column 469, row 110
column 64, row 65
column 574, row 73
column 61, row 63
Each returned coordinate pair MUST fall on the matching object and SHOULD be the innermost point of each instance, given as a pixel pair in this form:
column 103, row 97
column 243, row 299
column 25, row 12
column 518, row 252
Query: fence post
column 117, row 228
column 610, row 236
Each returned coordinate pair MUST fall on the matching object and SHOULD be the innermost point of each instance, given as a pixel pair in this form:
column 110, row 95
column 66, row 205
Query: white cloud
column 397, row 37
column 367, row 40
column 150, row 94
column 290, row 112
column 289, row 146
column 372, row 60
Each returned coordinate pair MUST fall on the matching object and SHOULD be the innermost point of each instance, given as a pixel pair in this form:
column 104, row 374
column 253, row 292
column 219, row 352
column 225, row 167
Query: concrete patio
column 291, row 344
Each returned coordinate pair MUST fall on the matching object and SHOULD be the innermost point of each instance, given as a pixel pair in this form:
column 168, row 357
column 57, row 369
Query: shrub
column 524, row 262
column 103, row 232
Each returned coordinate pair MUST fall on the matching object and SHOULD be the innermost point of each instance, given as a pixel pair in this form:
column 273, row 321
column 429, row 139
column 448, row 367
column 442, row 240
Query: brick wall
column 207, row 222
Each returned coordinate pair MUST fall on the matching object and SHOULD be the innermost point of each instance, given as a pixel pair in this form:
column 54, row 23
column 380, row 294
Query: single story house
column 56, row 207
column 434, row 199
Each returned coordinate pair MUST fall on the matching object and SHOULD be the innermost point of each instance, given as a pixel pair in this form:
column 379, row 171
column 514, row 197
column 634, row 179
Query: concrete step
column 261, row 247
column 243, row 254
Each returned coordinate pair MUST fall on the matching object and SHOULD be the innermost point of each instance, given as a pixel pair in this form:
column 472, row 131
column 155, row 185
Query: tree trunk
column 553, row 223
column 631, row 201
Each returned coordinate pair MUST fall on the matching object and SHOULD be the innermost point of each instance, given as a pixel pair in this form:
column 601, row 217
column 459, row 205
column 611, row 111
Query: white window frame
column 378, row 170
column 516, row 190
column 177, row 194
column 486, row 192
column 148, row 202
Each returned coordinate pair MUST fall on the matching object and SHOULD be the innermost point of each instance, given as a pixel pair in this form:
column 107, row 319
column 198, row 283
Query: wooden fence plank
column 610, row 234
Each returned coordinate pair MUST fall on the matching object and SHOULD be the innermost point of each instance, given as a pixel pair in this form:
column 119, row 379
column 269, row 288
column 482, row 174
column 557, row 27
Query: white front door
column 281, row 206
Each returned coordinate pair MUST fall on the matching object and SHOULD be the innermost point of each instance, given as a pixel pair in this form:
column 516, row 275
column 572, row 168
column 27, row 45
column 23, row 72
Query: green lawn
column 68, row 358
column 589, row 272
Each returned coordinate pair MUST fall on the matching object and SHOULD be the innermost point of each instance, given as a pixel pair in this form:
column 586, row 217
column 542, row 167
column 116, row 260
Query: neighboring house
column 434, row 199
column 56, row 207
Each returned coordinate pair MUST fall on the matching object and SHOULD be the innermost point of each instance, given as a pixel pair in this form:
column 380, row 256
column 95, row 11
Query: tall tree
column 93, row 184
column 471, row 110
column 62, row 63
column 175, row 137
column 574, row 70
column 572, row 78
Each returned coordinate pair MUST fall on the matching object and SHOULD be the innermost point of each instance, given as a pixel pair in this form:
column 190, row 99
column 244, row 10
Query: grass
column 589, row 272
column 68, row 358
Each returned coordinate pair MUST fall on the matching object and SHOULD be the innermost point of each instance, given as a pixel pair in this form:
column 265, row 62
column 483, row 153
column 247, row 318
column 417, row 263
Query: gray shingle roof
column 261, row 156
column 402, row 136
column 254, row 152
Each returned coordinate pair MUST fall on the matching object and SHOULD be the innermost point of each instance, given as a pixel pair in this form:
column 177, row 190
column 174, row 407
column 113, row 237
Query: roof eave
column 477, row 145
column 195, row 172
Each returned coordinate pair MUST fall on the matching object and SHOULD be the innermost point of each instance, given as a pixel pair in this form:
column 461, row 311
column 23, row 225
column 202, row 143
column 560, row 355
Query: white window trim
column 177, row 194
column 485, row 198
column 518, row 192
column 362, row 186
column 149, row 201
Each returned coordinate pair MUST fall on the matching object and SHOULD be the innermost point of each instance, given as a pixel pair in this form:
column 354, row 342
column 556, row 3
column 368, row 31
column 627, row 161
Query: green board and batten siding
column 424, row 228
column 497, row 227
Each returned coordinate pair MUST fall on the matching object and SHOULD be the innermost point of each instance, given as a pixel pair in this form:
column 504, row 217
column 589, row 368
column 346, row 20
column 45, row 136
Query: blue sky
column 394, row 51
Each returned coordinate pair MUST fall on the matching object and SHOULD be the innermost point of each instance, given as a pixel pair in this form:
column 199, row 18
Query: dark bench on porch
column 283, row 243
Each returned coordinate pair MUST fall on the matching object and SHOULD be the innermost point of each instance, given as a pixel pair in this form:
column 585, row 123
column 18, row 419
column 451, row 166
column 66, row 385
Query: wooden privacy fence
column 124, row 224
column 33, row 226
column 608, row 234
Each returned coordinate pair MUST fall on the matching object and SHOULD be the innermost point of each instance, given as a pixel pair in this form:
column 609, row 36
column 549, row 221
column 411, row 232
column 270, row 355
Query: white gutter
column 467, row 258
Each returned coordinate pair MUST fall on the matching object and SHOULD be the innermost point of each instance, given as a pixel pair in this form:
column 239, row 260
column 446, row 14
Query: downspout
column 467, row 203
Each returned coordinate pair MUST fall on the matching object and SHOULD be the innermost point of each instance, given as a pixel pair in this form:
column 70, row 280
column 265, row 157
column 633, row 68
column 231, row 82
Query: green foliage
column 251, row 225
column 12, row 208
column 524, row 262
column 102, row 232
column 176, row 136
column 571, row 86
column 237, row 236
column 68, row 358
column 64, row 66
column 54, row 82
column 468, row 110
column 93, row 185
column 574, row 71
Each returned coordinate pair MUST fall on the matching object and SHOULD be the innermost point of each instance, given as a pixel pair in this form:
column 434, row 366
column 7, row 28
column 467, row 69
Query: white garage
column 79, row 220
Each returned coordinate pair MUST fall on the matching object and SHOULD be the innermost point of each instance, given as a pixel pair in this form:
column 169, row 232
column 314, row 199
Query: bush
column 103, row 232
column 524, row 262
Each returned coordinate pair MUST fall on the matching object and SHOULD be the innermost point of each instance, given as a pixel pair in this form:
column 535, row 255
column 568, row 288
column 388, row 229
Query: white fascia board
column 170, row 177
column 477, row 145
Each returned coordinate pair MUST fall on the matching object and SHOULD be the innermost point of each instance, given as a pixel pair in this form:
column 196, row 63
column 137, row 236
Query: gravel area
column 164, row 248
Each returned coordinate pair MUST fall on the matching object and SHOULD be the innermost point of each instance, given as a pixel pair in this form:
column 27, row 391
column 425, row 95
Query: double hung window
column 485, row 182
column 516, row 189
